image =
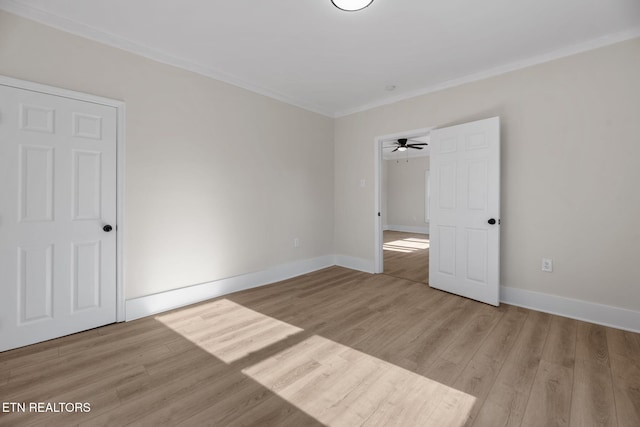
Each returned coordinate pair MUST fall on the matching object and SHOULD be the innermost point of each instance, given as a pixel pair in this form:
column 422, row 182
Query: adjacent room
column 404, row 178
column 319, row 213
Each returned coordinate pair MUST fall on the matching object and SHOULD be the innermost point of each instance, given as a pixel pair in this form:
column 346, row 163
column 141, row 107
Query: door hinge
column 379, row 214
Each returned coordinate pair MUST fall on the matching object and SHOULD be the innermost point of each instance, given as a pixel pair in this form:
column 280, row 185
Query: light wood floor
column 406, row 255
column 335, row 347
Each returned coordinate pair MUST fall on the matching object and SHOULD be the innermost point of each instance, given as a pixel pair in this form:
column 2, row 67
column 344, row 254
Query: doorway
column 464, row 208
column 402, row 229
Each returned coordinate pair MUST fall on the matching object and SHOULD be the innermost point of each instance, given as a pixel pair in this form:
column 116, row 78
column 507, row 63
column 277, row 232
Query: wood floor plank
column 560, row 347
column 154, row 399
column 451, row 362
column 96, row 358
column 161, row 372
column 407, row 405
column 228, row 403
column 82, row 380
column 27, row 359
column 400, row 333
column 593, row 402
column 349, row 398
column 473, row 334
column 505, row 406
column 508, row 398
column 480, row 374
column 272, row 412
column 183, row 407
column 550, row 400
column 367, row 401
column 429, row 346
column 624, row 348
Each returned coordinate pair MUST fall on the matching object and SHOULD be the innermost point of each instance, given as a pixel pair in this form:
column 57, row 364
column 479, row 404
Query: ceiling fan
column 402, row 145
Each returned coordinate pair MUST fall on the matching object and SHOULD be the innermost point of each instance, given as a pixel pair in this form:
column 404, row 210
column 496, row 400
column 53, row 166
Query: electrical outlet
column 547, row 265
column 296, row 243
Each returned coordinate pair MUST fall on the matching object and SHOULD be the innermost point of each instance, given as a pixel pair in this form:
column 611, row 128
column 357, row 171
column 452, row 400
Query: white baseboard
column 567, row 307
column 408, row 229
column 164, row 301
column 600, row 314
column 354, row 263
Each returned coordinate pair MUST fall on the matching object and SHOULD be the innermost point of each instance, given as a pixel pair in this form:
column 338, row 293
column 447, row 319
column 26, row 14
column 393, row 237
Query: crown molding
column 503, row 69
column 100, row 36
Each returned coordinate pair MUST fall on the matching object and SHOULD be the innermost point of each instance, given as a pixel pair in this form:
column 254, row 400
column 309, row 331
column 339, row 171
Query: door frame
column 120, row 168
column 378, row 265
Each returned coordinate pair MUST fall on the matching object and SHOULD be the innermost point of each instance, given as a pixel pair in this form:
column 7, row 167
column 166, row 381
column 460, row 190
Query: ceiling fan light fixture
column 402, row 148
column 351, row 5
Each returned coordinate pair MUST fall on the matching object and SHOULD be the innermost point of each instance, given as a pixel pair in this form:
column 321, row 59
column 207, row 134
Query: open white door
column 464, row 257
column 57, row 216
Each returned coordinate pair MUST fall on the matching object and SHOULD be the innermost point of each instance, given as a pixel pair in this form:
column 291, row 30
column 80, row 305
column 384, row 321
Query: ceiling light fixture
column 402, row 148
column 351, row 5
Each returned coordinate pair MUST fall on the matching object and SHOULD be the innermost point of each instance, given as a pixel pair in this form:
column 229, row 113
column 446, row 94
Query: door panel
column 447, row 185
column 476, row 245
column 35, row 282
column 446, row 250
column 36, row 118
column 87, row 183
column 477, row 185
column 36, row 183
column 57, row 191
column 465, row 170
column 86, row 275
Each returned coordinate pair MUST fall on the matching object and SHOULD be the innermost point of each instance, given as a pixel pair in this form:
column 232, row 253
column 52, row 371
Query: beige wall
column 405, row 185
column 219, row 180
column 570, row 170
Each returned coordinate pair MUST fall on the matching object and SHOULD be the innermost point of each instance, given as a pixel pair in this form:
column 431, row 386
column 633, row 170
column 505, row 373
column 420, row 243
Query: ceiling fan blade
column 393, row 151
column 415, row 148
column 418, row 143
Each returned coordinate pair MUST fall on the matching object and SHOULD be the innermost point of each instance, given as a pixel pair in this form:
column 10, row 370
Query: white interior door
column 57, row 193
column 464, row 257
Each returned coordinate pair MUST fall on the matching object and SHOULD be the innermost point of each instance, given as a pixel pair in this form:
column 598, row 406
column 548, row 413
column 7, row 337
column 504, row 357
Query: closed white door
column 464, row 257
column 57, row 202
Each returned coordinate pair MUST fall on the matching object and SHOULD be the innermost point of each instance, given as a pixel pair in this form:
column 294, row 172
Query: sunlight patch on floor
column 340, row 386
column 228, row 330
column 407, row 245
column 333, row 383
column 418, row 240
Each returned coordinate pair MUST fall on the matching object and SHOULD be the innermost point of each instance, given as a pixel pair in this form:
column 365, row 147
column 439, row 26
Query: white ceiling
column 310, row 54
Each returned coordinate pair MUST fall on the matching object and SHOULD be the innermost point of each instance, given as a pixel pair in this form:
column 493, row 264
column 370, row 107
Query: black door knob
column 107, row 228
column 491, row 221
